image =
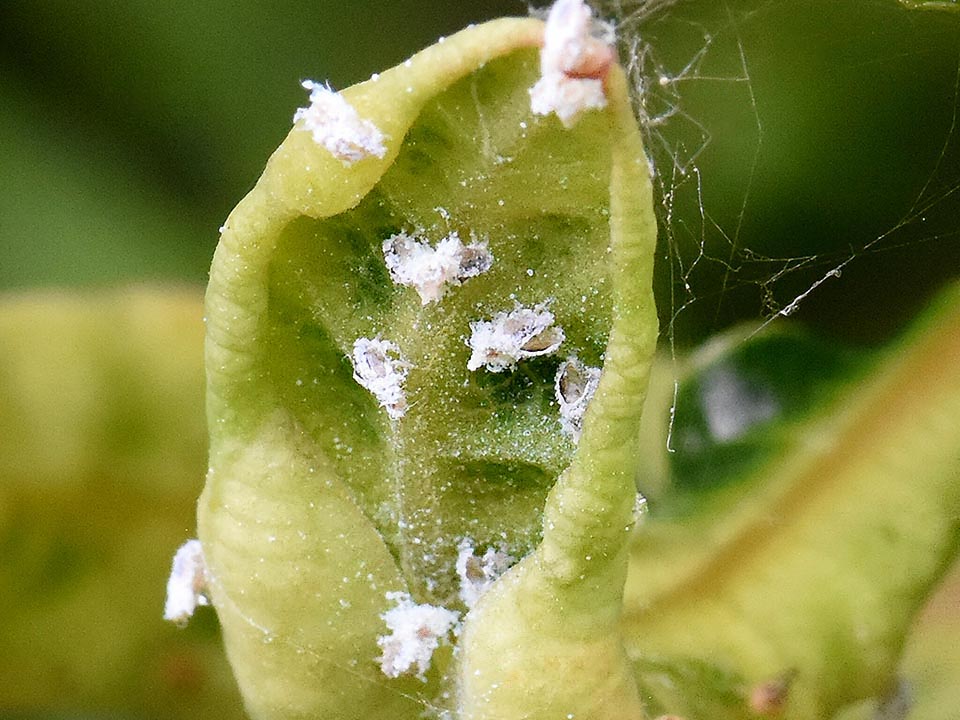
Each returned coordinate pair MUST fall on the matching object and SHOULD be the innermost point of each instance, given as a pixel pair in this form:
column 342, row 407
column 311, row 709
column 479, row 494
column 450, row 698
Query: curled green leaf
column 391, row 314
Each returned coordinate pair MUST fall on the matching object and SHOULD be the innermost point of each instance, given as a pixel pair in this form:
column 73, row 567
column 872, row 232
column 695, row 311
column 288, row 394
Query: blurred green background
column 130, row 129
column 790, row 138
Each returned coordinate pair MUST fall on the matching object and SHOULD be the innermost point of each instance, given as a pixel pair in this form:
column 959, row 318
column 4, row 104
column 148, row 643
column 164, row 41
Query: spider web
column 708, row 91
column 726, row 146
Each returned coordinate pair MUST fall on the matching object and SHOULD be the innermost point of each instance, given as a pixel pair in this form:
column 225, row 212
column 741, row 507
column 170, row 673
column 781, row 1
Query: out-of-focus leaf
column 807, row 558
column 928, row 686
column 931, row 660
column 74, row 210
column 103, row 451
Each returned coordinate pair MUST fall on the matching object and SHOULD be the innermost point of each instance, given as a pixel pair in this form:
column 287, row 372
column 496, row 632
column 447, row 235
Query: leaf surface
column 321, row 499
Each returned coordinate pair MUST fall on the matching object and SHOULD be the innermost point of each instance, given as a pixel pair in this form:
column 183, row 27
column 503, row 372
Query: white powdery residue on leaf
column 498, row 344
column 573, row 63
column 379, row 367
column 416, row 631
column 477, row 573
column 430, row 270
column 574, row 386
column 186, row 588
column 335, row 125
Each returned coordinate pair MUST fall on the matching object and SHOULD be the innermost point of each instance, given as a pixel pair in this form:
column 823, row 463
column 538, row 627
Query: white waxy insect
column 478, row 572
column 186, row 587
column 573, row 63
column 574, row 387
column 380, row 368
column 336, row 125
column 416, row 631
column 431, row 270
column 499, row 343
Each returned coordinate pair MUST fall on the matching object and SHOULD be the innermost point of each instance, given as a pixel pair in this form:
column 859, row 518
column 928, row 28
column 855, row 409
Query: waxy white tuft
column 335, row 125
column 379, row 367
column 477, row 573
column 573, row 63
column 498, row 344
column 186, row 587
column 430, row 270
column 574, row 386
column 415, row 633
